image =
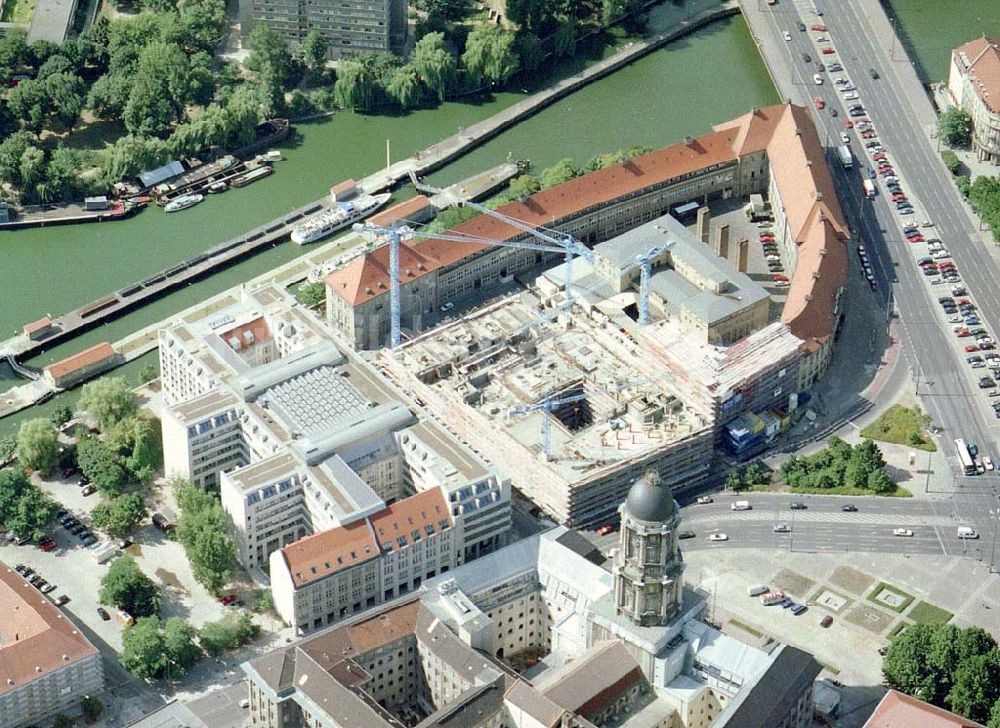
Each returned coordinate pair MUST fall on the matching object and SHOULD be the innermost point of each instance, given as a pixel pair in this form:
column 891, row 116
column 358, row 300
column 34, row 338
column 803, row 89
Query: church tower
column 648, row 568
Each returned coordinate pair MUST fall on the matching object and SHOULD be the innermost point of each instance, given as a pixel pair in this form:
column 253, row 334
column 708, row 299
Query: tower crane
column 645, row 263
column 547, row 406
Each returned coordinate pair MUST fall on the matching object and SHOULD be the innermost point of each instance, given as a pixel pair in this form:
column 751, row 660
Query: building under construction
column 574, row 412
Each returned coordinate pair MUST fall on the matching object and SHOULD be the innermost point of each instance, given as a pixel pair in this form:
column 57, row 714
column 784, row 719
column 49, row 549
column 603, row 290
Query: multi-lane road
column 900, row 113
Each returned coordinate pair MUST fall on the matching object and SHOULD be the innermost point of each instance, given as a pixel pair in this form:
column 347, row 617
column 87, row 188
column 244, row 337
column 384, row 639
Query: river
column 658, row 100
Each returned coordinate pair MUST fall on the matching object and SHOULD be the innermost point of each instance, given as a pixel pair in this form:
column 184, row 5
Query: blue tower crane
column 645, row 263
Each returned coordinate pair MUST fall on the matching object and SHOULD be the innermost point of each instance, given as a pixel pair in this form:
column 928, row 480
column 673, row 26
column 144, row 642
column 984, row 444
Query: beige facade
column 974, row 85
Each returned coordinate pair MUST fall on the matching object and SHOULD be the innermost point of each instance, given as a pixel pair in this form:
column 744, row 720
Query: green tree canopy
column 524, row 186
column 976, row 687
column 562, row 171
column 102, row 465
column 314, row 50
column 126, row 587
column 434, row 64
column 108, row 400
column 355, row 86
column 955, row 127
column 404, row 87
column 204, row 532
column 38, row 445
column 154, row 649
column 120, row 515
column 490, row 54
column 234, row 629
column 734, row 480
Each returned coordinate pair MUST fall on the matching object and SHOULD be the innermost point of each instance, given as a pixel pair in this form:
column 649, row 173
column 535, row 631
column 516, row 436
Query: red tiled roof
column 898, row 710
column 415, row 514
column 81, row 360
column 324, row 553
column 367, row 276
column 984, row 68
column 339, row 189
column 36, row 639
column 38, row 325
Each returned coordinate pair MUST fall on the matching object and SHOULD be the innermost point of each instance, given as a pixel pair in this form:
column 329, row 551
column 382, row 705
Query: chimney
column 689, row 141
column 701, row 231
column 722, row 241
column 742, row 253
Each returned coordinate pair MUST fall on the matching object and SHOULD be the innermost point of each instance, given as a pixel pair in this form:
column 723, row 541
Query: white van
column 966, row 532
column 756, row 590
column 740, row 505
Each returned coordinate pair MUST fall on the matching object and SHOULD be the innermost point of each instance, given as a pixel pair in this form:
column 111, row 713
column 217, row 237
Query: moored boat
column 337, row 218
column 271, row 155
column 252, row 176
column 183, row 202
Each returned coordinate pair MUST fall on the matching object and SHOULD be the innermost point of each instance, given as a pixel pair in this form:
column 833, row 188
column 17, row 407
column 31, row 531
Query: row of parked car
column 772, row 257
column 36, row 580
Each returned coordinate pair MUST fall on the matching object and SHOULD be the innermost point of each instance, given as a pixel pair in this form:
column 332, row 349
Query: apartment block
column 974, row 85
column 47, row 666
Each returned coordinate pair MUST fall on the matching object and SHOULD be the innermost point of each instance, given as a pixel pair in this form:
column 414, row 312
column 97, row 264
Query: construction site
column 572, row 411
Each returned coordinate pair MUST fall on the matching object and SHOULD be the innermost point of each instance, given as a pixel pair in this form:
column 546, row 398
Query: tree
column 233, row 630
column 314, row 50
column 120, row 515
column 434, row 64
column 108, row 95
column 355, row 86
column 976, row 686
column 204, row 533
column 92, row 708
column 8, row 449
column 753, row 475
column 951, row 161
column 33, row 513
column 955, row 127
column 529, row 50
column 614, row 10
column 139, row 440
column 27, row 102
column 312, row 295
column 153, row 649
column 271, row 58
column 562, row 171
column 524, row 186
column 532, row 14
column 65, row 93
column 404, row 87
column 490, row 54
column 865, row 458
column 880, row 483
column 102, row 465
column 126, row 587
column 905, row 667
column 564, row 39
column 38, row 445
column 734, row 480
column 148, row 111
column 148, row 373
column 108, row 400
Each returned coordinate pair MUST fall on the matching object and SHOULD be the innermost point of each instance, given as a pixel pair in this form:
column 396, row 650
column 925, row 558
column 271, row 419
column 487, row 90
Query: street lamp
column 996, row 520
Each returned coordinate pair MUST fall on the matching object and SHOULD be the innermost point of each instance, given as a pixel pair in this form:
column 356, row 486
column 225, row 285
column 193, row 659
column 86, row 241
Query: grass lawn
column 924, row 613
column 18, row 11
column 882, row 586
column 898, row 425
column 900, row 491
column 898, row 629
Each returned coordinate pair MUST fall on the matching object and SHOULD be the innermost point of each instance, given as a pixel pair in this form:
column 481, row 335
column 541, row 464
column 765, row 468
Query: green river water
column 709, row 76
column 931, row 28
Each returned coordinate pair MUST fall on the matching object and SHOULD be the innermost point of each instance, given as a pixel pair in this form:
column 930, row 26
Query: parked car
column 605, row 529
column 88, row 490
column 61, row 600
column 227, row 599
column 686, row 534
column 826, row 621
column 703, row 499
column 718, row 537
column 797, row 506
column 848, row 508
column 103, row 613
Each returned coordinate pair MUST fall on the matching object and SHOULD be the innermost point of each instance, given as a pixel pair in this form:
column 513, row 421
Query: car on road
column 605, row 529
column 797, row 506
column 826, row 621
column 782, row 528
column 967, row 532
column 844, row 138
column 818, row 103
column 686, row 534
column 820, row 67
column 447, row 307
column 61, row 600
column 703, row 499
column 802, row 26
column 787, row 35
column 848, row 508
column 987, row 462
column 718, row 537
column 807, row 58
column 873, row 73
column 103, row 613
column 902, row 532
column 817, row 79
column 848, row 124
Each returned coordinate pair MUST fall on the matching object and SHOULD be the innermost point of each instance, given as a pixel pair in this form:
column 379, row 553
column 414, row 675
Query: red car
column 970, row 348
column 962, row 333
column 827, row 51
column 47, row 544
column 848, row 124
column 868, row 134
column 227, row 600
column 817, row 26
column 779, row 278
column 898, row 197
column 818, row 103
column 605, row 529
column 878, row 156
column 766, row 236
column 916, row 239
column 826, row 621
column 965, row 302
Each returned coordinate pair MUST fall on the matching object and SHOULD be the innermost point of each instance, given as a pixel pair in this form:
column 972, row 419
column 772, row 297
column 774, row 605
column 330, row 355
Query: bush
column 951, row 161
column 233, row 630
column 92, row 708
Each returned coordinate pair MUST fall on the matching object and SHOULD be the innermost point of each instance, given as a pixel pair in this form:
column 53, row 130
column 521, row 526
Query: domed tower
column 648, row 568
